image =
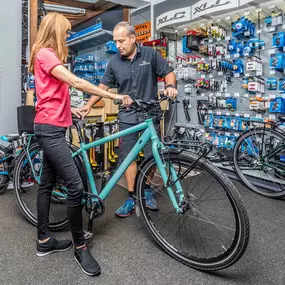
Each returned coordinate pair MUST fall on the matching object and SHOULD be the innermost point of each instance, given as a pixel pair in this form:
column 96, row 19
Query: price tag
column 247, row 33
column 236, row 55
column 220, row 73
column 237, row 114
column 246, row 95
column 272, row 29
column 219, row 56
column 246, row 13
column 210, row 111
column 236, row 134
column 211, row 75
column 202, row 25
column 203, row 95
column 227, row 38
column 211, row 94
column 258, row 73
column 219, row 94
column 227, row 95
column 227, row 134
column 228, row 18
column 219, row 39
column 228, row 56
column 283, row 48
column 272, row 51
column 210, row 58
column 258, row 32
column 236, row 94
column 258, row 95
column 272, row 117
column 246, row 75
column 259, row 116
column 219, row 113
column 246, row 115
column 272, row 96
column 228, row 114
column 272, row 72
column 210, row 40
column 283, row 26
column 246, row 54
column 203, row 76
column 236, row 74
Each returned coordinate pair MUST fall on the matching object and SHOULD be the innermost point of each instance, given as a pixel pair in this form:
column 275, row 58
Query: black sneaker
column 53, row 245
column 86, row 261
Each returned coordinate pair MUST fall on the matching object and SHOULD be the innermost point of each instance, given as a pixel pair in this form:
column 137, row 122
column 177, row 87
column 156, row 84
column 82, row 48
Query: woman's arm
column 63, row 74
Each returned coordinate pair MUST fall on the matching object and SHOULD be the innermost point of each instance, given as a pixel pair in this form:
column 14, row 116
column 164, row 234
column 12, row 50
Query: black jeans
column 58, row 160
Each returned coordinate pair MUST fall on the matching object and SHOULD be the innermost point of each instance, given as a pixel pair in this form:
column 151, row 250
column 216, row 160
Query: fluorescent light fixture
column 89, row 1
column 64, row 9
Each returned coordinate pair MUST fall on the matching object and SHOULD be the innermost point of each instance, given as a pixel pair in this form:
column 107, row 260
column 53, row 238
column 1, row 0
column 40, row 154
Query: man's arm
column 163, row 70
column 170, row 83
column 94, row 99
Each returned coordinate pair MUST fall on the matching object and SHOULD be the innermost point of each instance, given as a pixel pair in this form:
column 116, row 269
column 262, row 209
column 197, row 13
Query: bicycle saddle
column 281, row 119
column 10, row 138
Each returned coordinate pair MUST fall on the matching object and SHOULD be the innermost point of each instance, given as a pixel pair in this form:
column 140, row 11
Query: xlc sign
column 173, row 17
column 205, row 7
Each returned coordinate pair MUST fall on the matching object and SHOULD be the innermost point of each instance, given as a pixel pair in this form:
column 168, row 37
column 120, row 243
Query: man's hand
column 171, row 92
column 84, row 110
column 76, row 112
column 125, row 98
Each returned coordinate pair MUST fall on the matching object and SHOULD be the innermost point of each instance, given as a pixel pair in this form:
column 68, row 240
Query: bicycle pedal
column 87, row 235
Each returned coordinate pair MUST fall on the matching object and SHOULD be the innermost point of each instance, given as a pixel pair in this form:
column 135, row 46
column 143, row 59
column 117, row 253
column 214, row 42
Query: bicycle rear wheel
column 212, row 233
column 26, row 189
column 261, row 175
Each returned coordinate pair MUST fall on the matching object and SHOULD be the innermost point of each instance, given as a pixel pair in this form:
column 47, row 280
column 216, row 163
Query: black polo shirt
column 137, row 78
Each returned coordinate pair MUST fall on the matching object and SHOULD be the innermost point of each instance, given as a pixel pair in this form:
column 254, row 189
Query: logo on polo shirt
column 145, row 63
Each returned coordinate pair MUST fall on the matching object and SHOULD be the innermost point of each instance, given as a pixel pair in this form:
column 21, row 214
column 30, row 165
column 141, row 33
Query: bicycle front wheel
column 212, row 232
column 261, row 172
column 26, row 190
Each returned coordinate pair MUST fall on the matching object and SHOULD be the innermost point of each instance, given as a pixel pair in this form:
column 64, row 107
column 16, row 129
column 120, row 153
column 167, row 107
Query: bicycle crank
column 94, row 206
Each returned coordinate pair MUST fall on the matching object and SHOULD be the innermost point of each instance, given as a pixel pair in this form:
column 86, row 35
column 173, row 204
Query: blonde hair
column 51, row 34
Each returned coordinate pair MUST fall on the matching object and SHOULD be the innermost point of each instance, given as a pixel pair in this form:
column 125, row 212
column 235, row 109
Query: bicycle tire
column 3, row 178
column 54, row 226
column 244, row 179
column 242, row 232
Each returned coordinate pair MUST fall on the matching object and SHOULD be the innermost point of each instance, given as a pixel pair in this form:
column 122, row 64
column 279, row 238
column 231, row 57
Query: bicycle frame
column 149, row 133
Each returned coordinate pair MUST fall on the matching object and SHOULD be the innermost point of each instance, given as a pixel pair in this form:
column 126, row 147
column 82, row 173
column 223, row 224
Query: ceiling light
column 64, row 9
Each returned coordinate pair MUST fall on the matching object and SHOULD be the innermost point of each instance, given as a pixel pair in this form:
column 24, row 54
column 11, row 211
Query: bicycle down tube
column 148, row 134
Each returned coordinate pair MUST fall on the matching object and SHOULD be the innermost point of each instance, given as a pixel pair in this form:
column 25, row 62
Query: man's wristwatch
column 171, row 86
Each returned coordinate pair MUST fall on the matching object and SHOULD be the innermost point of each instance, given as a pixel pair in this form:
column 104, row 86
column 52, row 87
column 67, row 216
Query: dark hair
column 128, row 26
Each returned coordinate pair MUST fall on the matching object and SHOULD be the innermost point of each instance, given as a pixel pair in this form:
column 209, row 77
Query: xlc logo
column 177, row 16
column 206, row 6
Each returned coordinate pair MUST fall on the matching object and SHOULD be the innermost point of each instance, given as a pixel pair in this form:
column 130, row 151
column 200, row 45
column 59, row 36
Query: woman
column 53, row 116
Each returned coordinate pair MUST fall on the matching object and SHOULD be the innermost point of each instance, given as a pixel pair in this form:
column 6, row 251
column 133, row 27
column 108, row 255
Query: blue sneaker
column 127, row 209
column 150, row 201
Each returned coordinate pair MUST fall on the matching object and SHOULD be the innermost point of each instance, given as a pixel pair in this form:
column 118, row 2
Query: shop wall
column 10, row 61
column 141, row 16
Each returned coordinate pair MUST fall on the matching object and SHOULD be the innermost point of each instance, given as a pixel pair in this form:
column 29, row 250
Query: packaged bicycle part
column 277, row 61
column 271, row 83
column 231, row 104
column 238, row 66
column 278, row 40
column 254, row 64
column 224, row 86
column 282, row 85
column 277, row 17
column 277, row 105
column 256, row 104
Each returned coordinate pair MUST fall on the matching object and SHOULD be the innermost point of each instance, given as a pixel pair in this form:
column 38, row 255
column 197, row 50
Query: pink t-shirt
column 53, row 100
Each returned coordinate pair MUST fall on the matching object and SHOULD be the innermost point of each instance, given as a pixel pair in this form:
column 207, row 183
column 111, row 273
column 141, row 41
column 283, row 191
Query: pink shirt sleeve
column 47, row 60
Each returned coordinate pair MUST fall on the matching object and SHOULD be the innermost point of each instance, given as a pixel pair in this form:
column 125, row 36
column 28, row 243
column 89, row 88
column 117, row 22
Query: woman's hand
column 126, row 99
column 84, row 110
column 76, row 112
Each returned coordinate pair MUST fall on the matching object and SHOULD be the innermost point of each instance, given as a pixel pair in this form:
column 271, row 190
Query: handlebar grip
column 118, row 102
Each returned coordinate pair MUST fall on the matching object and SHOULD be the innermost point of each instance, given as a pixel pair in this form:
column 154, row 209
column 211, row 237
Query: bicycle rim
column 265, row 176
column 26, row 189
column 213, row 232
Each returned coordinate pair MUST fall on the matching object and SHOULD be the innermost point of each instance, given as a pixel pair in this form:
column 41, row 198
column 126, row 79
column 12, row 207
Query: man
column 134, row 70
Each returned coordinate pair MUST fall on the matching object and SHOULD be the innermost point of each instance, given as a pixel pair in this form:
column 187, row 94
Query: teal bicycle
column 201, row 220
